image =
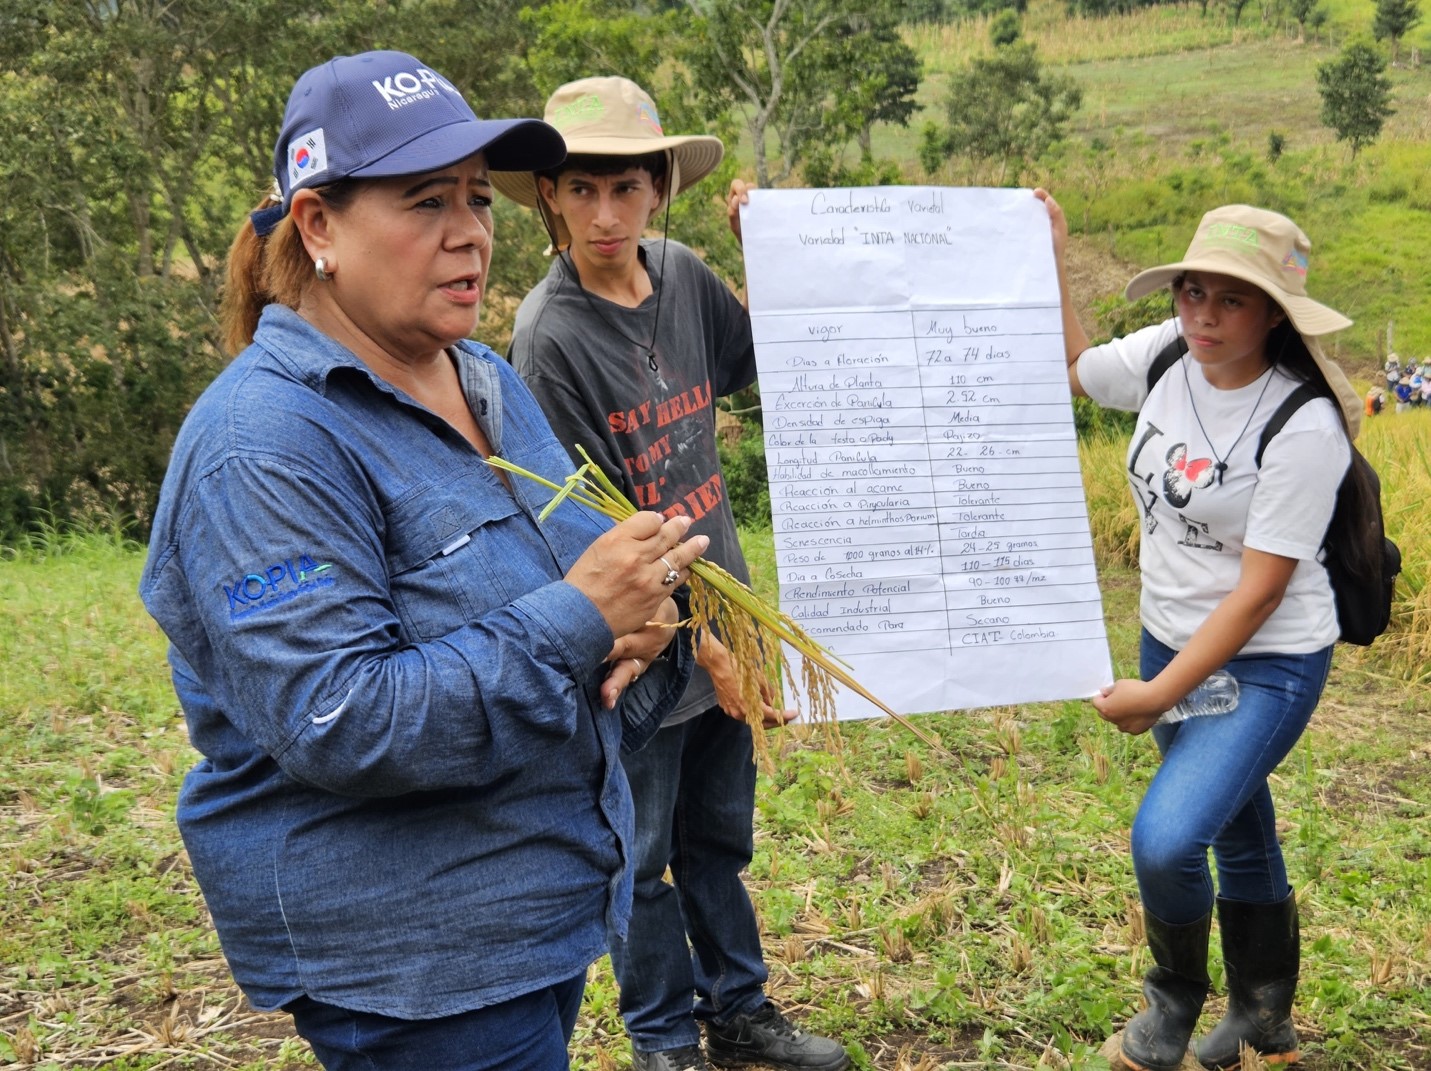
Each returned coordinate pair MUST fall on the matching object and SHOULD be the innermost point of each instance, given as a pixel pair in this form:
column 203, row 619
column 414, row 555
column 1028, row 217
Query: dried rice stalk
column 753, row 630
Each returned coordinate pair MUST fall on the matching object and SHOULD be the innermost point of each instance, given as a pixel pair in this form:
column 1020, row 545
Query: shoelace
column 771, row 1016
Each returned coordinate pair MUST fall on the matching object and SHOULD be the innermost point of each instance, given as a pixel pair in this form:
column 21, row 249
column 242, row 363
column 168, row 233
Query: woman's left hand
column 1130, row 706
column 1057, row 221
column 632, row 653
column 737, row 195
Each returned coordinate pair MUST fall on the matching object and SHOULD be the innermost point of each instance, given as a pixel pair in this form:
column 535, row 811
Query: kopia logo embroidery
column 406, row 87
column 279, row 583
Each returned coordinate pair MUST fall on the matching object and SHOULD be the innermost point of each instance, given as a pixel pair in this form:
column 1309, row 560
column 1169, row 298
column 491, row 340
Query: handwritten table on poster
column 929, row 517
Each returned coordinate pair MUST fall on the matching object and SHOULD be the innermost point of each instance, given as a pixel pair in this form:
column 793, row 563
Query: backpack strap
column 1290, row 404
column 1168, row 356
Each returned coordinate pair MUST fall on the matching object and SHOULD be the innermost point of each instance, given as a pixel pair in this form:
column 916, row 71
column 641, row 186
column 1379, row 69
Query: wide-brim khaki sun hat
column 612, row 116
column 1269, row 251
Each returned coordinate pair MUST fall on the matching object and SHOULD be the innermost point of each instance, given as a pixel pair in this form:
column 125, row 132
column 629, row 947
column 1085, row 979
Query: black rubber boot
column 1261, row 949
column 1156, row 1039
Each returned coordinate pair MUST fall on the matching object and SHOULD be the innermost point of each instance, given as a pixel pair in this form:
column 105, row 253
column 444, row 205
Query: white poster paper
column 929, row 516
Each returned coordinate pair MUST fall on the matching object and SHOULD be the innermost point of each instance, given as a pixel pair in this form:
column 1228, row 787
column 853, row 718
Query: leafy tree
column 1004, row 28
column 795, row 69
column 1394, row 19
column 934, row 148
column 924, row 10
column 865, row 74
column 118, row 135
column 1307, row 13
column 136, row 136
column 582, row 38
column 1356, row 94
column 1004, row 109
column 747, row 57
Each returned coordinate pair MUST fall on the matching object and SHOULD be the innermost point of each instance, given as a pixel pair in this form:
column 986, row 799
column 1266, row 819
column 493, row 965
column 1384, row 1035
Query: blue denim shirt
column 409, row 801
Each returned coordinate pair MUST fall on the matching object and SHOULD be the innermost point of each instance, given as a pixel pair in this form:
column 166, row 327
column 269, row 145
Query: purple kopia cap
column 380, row 114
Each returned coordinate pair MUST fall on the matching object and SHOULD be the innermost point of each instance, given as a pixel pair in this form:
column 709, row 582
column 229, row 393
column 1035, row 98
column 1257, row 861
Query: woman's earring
column 320, row 266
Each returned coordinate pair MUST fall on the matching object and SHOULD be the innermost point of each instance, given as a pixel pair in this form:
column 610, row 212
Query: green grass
column 974, row 910
column 1245, row 90
column 108, row 957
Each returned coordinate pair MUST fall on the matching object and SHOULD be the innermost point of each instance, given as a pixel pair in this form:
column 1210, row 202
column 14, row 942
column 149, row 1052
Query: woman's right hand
column 624, row 571
column 1131, row 706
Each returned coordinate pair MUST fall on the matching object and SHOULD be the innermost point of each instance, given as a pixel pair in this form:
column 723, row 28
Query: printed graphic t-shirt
column 652, row 430
column 1195, row 526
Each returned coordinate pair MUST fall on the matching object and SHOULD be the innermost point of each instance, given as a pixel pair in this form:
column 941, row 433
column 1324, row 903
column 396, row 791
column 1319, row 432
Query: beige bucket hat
column 612, row 116
column 1269, row 251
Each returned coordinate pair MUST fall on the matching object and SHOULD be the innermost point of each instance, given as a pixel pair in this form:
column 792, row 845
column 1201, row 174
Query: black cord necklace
column 570, row 265
column 1221, row 466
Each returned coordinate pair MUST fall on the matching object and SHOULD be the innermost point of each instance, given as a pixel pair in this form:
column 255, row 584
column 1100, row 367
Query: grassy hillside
column 1178, row 109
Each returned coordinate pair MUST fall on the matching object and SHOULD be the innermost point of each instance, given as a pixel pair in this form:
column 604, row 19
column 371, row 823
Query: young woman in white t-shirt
column 1230, row 579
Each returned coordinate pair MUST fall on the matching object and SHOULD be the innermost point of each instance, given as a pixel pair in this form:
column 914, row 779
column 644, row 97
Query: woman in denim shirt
column 409, row 821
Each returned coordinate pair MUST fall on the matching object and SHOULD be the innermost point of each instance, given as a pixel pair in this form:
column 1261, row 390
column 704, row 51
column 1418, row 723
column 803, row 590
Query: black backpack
column 1361, row 563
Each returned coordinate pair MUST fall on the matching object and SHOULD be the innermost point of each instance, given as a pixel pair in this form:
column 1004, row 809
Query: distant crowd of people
column 1408, row 384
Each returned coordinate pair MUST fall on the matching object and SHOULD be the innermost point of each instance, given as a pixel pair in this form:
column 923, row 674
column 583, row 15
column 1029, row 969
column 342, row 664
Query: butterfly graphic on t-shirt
column 1184, row 475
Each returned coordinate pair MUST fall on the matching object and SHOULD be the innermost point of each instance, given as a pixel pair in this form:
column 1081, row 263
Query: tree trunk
column 12, row 355
column 757, row 144
column 144, row 241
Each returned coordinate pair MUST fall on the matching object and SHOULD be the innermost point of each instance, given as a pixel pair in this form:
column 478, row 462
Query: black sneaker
column 686, row 1058
column 767, row 1037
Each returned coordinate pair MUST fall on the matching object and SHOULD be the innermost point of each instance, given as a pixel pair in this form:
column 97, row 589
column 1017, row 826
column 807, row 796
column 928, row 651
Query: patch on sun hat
column 1259, row 247
column 380, row 114
column 611, row 116
column 1269, row 251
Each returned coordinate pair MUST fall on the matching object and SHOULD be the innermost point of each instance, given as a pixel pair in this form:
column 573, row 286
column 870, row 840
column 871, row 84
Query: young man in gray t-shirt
column 627, row 343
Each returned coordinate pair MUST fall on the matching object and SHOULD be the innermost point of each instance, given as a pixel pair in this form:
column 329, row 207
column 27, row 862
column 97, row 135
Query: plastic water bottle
column 1216, row 695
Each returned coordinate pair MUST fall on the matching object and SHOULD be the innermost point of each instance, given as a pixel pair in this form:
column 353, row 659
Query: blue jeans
column 527, row 1033
column 1211, row 789
column 693, row 950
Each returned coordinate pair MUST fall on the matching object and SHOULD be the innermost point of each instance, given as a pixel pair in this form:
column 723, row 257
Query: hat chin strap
column 673, row 180
column 549, row 221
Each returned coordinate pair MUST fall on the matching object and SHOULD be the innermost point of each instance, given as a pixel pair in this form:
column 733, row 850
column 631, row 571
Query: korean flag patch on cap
column 307, row 157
